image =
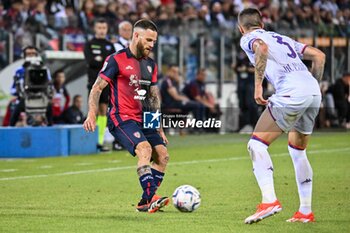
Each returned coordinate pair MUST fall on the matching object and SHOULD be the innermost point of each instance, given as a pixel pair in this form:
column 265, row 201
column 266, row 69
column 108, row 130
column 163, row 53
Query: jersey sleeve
column 247, row 46
column 154, row 75
column 299, row 48
column 109, row 69
column 247, row 42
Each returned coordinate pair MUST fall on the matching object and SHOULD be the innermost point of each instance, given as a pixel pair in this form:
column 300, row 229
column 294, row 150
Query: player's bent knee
column 254, row 147
column 164, row 159
column 144, row 151
column 163, row 156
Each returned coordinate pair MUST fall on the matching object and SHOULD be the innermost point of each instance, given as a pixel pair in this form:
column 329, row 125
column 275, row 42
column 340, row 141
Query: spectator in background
column 101, row 10
column 73, row 35
column 288, row 22
column 245, row 91
column 62, row 17
column 13, row 18
column 215, row 17
column 96, row 51
column 22, row 120
column 3, row 36
column 73, row 114
column 173, row 99
column 112, row 9
column 125, row 33
column 123, row 11
column 39, row 23
column 305, row 16
column 86, row 16
column 195, row 90
column 9, row 110
column 61, row 98
column 54, row 6
column 341, row 95
column 327, row 5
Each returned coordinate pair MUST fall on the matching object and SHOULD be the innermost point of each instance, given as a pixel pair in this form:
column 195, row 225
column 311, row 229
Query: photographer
column 32, row 87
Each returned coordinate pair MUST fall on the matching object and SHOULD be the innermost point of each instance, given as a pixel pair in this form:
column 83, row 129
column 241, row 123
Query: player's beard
column 142, row 51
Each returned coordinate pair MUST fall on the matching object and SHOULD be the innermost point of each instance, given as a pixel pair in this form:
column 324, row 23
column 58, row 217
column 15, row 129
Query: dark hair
column 201, row 70
column 76, row 97
column 146, row 24
column 29, row 47
column 250, row 17
column 100, row 20
column 57, row 72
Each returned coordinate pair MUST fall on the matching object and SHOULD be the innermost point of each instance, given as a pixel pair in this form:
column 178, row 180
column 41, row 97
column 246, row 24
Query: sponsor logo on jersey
column 133, row 80
column 145, row 82
column 141, row 94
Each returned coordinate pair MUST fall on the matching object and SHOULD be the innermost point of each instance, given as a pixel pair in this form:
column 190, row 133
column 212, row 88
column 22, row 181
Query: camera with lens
column 37, row 90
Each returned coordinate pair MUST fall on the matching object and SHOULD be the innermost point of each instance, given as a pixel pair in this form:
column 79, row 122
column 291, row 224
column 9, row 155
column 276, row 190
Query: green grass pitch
column 98, row 193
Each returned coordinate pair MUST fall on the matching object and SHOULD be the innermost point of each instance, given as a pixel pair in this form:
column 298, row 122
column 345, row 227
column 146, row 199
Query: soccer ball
column 186, row 198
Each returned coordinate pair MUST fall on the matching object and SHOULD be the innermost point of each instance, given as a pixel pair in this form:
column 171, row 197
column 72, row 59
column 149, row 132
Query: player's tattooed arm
column 318, row 59
column 260, row 49
column 95, row 94
column 94, row 97
column 154, row 98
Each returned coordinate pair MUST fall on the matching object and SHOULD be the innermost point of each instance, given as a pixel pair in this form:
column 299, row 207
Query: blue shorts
column 130, row 133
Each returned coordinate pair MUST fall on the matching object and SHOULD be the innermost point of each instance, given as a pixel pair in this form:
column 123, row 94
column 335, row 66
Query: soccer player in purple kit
column 292, row 109
column 132, row 79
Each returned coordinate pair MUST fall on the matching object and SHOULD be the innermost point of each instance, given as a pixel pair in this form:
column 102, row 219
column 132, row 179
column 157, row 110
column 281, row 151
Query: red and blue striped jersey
column 129, row 80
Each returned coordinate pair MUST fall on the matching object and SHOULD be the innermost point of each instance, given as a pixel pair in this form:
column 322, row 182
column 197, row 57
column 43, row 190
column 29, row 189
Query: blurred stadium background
column 193, row 34
column 93, row 193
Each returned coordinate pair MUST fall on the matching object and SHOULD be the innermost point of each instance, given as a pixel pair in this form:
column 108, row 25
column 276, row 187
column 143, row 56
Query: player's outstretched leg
column 160, row 161
column 143, row 152
column 304, row 176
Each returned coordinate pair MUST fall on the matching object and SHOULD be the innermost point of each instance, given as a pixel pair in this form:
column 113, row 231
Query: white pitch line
column 84, row 164
column 45, row 167
column 114, row 161
column 174, row 163
column 8, row 170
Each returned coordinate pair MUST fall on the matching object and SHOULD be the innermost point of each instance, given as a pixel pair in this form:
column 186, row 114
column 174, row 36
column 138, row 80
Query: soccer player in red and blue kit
column 132, row 79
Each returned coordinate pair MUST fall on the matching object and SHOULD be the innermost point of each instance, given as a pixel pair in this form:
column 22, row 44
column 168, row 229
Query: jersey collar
column 130, row 55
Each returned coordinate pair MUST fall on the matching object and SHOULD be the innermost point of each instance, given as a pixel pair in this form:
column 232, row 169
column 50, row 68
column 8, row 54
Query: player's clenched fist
column 90, row 123
column 258, row 95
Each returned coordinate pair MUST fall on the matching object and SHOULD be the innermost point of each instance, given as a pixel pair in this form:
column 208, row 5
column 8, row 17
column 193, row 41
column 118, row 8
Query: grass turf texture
column 98, row 193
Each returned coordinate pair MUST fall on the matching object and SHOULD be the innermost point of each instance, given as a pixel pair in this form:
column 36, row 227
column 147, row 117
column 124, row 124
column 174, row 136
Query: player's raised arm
column 260, row 49
column 94, row 97
column 318, row 59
